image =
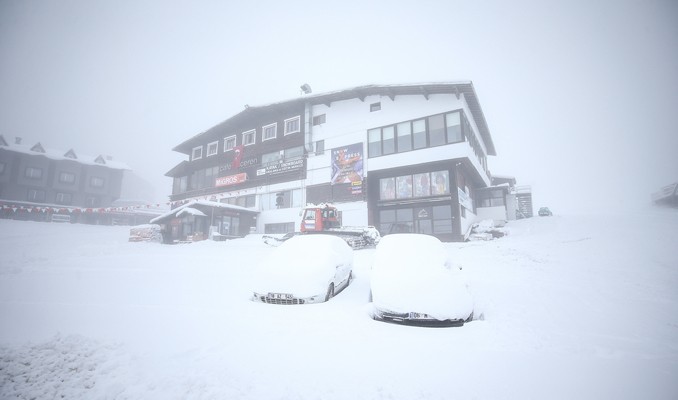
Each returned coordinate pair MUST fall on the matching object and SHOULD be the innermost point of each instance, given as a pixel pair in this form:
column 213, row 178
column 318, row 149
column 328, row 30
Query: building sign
column 230, row 180
column 464, row 200
column 281, row 167
column 347, row 172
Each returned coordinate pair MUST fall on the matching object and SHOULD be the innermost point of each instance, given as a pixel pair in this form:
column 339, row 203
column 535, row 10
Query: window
column 375, row 107
column 440, row 183
column 229, row 143
column 404, row 187
column 36, row 195
column 293, row 152
column 319, row 119
column 442, row 219
column 422, row 185
column 388, row 140
column 212, row 148
column 96, row 182
column 417, row 185
column 419, row 133
column 374, row 142
column 197, row 153
column 490, row 198
column 92, row 202
column 271, row 157
column 404, row 136
column 319, row 147
column 453, row 127
column 270, row 131
column 67, row 177
column 180, row 184
column 282, row 227
column 33, row 173
column 436, row 130
column 64, row 198
column 292, row 125
column 282, row 199
column 248, row 137
column 248, row 201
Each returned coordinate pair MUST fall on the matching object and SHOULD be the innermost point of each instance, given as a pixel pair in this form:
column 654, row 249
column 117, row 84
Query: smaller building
column 202, row 219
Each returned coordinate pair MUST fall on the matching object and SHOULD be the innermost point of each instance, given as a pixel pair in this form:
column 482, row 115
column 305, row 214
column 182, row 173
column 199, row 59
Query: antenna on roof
column 306, row 88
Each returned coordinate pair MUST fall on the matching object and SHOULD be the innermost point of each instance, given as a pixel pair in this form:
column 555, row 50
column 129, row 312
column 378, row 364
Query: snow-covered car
column 305, row 269
column 414, row 282
column 145, row 233
column 545, row 212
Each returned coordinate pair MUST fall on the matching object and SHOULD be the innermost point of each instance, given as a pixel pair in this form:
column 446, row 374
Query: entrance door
column 423, row 220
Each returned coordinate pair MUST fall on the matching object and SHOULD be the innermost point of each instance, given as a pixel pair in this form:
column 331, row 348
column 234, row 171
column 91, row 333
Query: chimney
column 17, row 140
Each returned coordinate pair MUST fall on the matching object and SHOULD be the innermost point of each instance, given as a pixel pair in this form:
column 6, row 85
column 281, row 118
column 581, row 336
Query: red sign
column 230, row 180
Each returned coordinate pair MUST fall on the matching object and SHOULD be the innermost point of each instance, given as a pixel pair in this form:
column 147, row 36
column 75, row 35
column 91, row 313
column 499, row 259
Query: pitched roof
column 361, row 92
column 58, row 155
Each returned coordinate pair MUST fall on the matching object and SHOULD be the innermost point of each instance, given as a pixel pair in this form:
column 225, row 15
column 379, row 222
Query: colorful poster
column 422, row 185
column 387, row 189
column 347, row 164
column 441, row 183
column 404, row 184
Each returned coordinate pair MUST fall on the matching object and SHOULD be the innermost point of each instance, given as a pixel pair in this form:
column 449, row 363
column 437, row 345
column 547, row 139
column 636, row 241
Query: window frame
column 235, row 142
column 374, row 107
column 66, row 198
column 36, row 192
column 66, row 173
column 263, row 131
column 216, row 148
column 193, row 153
column 252, row 132
column 33, row 169
column 92, row 179
column 298, row 119
column 319, row 119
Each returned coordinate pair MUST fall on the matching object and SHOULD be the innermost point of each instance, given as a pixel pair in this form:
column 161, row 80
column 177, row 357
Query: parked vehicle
column 145, row 233
column 305, row 269
column 545, row 212
column 326, row 219
column 415, row 283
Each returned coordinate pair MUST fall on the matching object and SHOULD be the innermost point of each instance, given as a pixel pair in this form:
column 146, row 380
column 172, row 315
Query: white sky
column 579, row 96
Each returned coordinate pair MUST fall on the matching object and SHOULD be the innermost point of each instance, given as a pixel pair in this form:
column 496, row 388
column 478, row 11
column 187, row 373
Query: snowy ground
column 581, row 307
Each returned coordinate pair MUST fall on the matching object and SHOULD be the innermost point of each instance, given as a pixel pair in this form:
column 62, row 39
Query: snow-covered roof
column 191, row 211
column 59, row 155
column 191, row 204
column 425, row 89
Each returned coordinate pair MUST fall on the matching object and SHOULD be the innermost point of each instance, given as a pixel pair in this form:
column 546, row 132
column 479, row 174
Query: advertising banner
column 347, row 172
column 230, row 180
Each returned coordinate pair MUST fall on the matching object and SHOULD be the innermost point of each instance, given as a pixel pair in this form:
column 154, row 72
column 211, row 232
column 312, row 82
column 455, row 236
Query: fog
column 579, row 96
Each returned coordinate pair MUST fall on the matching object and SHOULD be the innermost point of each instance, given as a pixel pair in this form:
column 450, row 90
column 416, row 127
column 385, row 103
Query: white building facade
column 403, row 158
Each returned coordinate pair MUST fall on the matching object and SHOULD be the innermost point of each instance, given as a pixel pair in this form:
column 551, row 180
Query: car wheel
column 330, row 292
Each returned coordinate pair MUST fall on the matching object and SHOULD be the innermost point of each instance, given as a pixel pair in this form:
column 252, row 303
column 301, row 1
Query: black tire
column 330, row 292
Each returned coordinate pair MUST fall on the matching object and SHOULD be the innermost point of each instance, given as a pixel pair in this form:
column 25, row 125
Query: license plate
column 280, row 296
column 415, row 315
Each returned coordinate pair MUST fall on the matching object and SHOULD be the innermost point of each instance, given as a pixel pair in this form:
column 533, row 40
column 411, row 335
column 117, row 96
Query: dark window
column 284, row 227
column 36, row 195
column 67, row 177
column 33, row 173
column 436, row 130
column 96, row 182
column 375, row 107
column 319, row 119
column 64, row 198
column 442, row 219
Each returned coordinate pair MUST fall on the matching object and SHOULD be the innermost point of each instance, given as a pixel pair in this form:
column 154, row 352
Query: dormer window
column 197, row 153
column 292, row 125
column 212, row 148
column 71, row 154
column 100, row 160
column 38, row 148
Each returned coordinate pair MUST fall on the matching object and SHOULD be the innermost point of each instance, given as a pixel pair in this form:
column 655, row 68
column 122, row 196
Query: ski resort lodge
column 403, row 158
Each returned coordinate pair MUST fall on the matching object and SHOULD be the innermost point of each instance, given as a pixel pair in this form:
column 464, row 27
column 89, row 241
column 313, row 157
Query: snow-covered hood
column 302, row 266
column 412, row 273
